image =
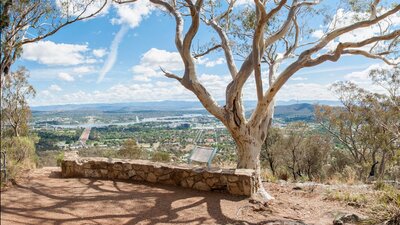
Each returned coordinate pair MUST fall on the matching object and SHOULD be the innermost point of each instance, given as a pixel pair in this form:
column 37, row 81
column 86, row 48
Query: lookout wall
column 233, row 181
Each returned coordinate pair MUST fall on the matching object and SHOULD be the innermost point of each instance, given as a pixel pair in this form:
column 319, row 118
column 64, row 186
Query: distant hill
column 168, row 106
column 295, row 112
column 124, row 107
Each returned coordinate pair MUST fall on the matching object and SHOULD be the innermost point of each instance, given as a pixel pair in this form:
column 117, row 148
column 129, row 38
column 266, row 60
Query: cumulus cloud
column 129, row 92
column 210, row 63
column 99, row 53
column 362, row 79
column 65, row 76
column 55, row 87
column 132, row 14
column 82, row 69
column 151, row 62
column 167, row 90
column 299, row 78
column 244, row 2
column 50, row 53
column 344, row 18
column 363, row 75
column 45, row 93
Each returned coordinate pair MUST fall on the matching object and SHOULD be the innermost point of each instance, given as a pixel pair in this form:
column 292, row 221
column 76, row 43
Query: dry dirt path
column 42, row 197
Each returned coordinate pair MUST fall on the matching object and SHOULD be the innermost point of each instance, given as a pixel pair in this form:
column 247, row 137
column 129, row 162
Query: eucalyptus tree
column 28, row 21
column 277, row 34
column 15, row 112
column 368, row 123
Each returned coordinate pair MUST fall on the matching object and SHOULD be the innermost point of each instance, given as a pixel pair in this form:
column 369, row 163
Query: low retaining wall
column 233, row 181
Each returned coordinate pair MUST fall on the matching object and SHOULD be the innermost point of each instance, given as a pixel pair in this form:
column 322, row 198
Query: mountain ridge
column 163, row 105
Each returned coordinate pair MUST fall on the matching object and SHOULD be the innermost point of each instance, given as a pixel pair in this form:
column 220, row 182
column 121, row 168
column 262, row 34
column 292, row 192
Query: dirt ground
column 42, row 197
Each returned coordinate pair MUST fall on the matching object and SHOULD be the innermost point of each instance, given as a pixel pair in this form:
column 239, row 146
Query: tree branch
column 198, row 55
column 369, row 55
column 78, row 18
column 170, row 75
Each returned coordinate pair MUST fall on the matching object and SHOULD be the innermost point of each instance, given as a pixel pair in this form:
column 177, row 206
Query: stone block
column 233, row 178
column 190, row 181
column 234, row 189
column 151, row 178
column 183, row 183
column 131, row 173
column 201, row 186
column 164, row 177
column 117, row 166
column 127, row 166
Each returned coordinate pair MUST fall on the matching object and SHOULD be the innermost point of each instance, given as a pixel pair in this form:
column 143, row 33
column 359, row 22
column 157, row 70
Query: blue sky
column 115, row 57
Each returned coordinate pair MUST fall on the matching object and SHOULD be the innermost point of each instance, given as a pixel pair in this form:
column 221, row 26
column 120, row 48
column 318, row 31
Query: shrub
column 130, row 150
column 349, row 174
column 60, row 158
column 20, row 155
column 161, row 157
column 387, row 205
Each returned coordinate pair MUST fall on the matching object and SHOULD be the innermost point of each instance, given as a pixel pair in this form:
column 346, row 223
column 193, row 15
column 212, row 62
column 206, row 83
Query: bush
column 387, row 204
column 349, row 174
column 130, row 150
column 60, row 158
column 20, row 155
column 161, row 157
column 98, row 152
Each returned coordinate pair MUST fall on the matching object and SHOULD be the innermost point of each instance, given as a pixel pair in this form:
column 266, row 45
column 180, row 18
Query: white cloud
column 55, row 87
column 299, row 78
column 317, row 34
column 151, row 62
column 244, row 2
column 50, row 53
column 362, row 79
column 344, row 18
column 215, row 84
column 363, row 75
column 130, row 92
column 65, row 76
column 132, row 14
column 83, row 69
column 210, row 63
column 99, row 53
column 167, row 90
column 45, row 93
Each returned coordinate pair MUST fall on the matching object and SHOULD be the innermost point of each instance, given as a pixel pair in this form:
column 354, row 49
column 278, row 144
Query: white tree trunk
column 248, row 152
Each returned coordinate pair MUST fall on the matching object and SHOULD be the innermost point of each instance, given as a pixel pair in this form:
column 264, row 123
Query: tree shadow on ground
column 53, row 200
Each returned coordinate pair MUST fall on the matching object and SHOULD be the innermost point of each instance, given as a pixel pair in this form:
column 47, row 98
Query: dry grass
column 381, row 204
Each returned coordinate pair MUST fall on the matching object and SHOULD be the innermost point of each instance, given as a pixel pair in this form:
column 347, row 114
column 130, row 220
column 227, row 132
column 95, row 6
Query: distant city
column 169, row 126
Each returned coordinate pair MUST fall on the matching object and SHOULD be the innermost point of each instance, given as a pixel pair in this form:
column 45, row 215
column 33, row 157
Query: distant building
column 209, row 140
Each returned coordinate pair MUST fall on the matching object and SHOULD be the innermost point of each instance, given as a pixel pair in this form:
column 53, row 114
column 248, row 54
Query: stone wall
column 234, row 181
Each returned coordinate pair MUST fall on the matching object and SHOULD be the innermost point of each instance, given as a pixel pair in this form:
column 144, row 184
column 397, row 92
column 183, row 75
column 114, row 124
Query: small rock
column 297, row 188
column 393, row 221
column 346, row 218
column 354, row 204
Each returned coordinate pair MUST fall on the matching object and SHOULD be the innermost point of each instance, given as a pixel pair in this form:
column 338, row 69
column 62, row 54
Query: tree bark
column 248, row 149
column 382, row 165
